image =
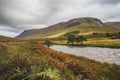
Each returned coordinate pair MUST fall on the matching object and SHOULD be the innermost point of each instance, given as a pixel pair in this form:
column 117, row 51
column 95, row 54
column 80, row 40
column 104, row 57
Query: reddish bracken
column 43, row 48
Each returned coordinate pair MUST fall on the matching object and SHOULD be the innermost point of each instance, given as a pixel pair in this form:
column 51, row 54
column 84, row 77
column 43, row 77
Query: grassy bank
column 93, row 42
column 26, row 61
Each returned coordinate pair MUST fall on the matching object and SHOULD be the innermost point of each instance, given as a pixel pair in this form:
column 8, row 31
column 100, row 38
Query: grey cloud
column 15, row 12
column 108, row 1
column 18, row 15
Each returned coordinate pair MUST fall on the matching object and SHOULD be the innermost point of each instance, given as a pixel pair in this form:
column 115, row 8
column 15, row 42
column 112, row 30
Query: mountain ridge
column 113, row 24
column 63, row 27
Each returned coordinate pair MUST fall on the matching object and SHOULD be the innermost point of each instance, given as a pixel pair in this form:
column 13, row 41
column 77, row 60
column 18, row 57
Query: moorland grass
column 28, row 61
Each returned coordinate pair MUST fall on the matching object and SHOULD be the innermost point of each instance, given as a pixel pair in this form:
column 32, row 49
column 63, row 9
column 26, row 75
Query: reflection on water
column 100, row 54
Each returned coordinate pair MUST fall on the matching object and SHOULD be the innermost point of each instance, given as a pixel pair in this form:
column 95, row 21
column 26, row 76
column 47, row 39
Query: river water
column 108, row 55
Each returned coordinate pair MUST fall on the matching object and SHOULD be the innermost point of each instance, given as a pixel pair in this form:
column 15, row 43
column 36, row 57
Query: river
column 108, row 55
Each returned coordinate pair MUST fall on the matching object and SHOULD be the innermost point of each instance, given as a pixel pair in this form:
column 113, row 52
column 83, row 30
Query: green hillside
column 7, row 39
column 86, row 26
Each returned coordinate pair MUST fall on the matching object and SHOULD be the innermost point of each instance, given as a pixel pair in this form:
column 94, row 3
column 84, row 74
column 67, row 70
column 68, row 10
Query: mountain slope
column 113, row 24
column 27, row 33
column 84, row 25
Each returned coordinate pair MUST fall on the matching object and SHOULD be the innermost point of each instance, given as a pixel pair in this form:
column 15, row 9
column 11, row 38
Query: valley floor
column 33, row 61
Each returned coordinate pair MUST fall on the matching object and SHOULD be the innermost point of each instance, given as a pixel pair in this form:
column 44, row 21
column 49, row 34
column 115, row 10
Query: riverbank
column 107, row 43
column 91, row 45
column 96, row 69
column 27, row 60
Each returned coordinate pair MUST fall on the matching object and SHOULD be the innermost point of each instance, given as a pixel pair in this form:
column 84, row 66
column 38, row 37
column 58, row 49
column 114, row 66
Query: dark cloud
column 18, row 15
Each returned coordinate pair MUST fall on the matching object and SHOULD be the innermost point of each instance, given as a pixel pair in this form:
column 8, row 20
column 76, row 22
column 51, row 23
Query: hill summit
column 86, row 25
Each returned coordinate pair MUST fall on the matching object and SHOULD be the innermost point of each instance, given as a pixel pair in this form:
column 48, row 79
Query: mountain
column 85, row 25
column 113, row 24
column 26, row 33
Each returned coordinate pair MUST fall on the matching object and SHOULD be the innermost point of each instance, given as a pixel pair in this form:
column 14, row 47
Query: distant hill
column 86, row 26
column 26, row 33
column 113, row 24
column 6, row 39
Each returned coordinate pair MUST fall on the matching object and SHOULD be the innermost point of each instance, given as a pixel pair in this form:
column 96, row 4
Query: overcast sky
column 19, row 15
